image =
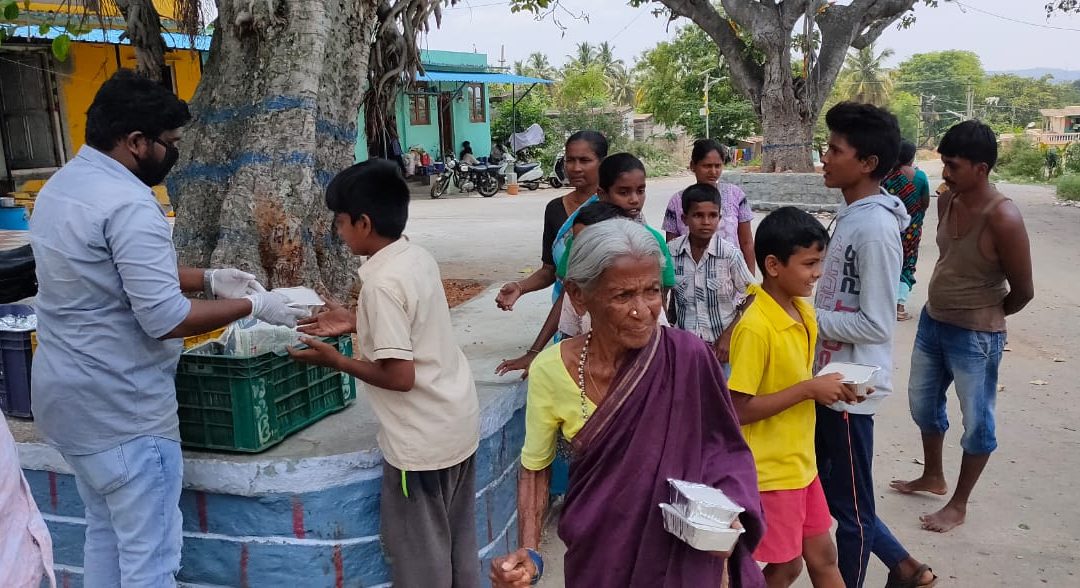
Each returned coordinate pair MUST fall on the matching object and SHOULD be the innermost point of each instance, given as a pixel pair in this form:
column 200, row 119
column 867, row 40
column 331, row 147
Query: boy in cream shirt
column 418, row 382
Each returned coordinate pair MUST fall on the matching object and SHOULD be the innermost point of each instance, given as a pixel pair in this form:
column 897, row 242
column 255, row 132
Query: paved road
column 498, row 238
column 1024, row 523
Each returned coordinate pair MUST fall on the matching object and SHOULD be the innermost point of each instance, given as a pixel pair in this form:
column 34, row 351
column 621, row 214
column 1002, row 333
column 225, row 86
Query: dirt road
column 1023, row 525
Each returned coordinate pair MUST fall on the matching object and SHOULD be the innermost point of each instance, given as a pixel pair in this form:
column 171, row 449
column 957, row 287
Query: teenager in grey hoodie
column 856, row 315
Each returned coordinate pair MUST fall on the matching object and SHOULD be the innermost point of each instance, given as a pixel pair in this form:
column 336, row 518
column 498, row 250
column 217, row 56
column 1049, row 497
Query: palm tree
column 520, row 69
column 583, row 57
column 540, row 67
column 605, row 57
column 621, row 84
column 865, row 77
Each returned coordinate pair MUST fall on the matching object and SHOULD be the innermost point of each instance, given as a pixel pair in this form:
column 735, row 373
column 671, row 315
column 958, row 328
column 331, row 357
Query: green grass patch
column 1068, row 187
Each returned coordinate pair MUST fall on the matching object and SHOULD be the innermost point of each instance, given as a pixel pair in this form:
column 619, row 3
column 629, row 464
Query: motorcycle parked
column 466, row 178
column 557, row 179
column 528, row 174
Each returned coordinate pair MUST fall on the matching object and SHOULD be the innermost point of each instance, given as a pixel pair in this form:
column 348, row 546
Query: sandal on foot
column 913, row 580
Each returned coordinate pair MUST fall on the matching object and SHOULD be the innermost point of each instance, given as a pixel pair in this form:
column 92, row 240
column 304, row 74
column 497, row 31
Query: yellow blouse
column 553, row 406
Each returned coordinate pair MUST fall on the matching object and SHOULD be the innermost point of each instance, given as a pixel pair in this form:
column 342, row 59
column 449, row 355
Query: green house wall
column 427, row 136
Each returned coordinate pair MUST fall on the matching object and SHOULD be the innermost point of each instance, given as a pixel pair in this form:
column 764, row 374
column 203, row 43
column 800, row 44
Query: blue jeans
column 133, row 521
column 845, row 455
column 944, row 355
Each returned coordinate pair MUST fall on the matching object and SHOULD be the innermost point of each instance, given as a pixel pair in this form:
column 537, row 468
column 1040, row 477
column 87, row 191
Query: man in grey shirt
column 111, row 317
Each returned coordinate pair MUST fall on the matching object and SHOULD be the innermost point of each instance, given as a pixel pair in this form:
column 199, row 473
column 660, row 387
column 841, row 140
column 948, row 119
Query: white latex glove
column 273, row 308
column 233, row 283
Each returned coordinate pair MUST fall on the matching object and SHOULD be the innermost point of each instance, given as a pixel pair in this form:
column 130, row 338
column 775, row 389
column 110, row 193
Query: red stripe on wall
column 243, row 565
column 298, row 517
column 54, row 499
column 200, row 506
column 339, row 568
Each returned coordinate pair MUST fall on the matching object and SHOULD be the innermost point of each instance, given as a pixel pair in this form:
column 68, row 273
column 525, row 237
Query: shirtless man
column 982, row 275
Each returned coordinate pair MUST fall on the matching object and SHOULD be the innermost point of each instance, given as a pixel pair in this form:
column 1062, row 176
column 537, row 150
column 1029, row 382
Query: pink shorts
column 791, row 516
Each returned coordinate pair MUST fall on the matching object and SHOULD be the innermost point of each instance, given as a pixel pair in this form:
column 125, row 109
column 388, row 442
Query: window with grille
column 419, row 106
column 477, row 110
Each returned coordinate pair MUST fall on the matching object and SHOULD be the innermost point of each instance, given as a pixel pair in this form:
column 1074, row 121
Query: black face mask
column 153, row 172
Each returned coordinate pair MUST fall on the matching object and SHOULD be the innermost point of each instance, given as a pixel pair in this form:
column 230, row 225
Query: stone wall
column 771, row 191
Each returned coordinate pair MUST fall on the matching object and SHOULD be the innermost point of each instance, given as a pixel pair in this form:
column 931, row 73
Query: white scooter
column 529, row 175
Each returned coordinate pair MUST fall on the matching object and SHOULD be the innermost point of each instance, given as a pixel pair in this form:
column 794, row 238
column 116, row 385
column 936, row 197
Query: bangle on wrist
column 534, row 351
column 538, row 561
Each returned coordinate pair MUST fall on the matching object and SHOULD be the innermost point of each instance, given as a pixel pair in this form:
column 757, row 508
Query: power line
column 632, row 21
column 1010, row 19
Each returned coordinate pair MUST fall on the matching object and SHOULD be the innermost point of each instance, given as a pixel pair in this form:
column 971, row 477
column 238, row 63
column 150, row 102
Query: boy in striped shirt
column 711, row 275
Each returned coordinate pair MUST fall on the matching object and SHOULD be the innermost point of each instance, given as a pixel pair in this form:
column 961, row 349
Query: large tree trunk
column 755, row 38
column 787, row 115
column 274, row 120
column 788, row 138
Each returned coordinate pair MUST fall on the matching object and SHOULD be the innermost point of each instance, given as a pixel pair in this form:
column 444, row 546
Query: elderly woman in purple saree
column 639, row 404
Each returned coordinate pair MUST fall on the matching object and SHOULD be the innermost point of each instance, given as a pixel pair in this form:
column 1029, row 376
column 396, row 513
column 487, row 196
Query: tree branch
column 842, row 27
column 871, row 33
column 791, row 11
column 746, row 75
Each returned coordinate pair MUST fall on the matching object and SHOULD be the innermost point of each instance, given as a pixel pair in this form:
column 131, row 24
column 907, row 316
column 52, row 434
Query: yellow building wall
column 93, row 63
column 89, row 65
column 108, row 8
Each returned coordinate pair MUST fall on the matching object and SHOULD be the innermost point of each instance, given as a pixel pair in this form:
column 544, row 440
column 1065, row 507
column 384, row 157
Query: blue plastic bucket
column 14, row 219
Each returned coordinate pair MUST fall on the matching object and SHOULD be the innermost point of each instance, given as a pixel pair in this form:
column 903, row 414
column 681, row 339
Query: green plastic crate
column 249, row 404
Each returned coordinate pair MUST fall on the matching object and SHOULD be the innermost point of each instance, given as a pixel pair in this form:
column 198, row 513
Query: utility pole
column 706, row 106
column 709, row 81
column 970, row 102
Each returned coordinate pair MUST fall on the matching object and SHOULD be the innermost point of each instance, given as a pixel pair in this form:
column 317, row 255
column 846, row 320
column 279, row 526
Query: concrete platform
column 767, row 192
column 306, row 511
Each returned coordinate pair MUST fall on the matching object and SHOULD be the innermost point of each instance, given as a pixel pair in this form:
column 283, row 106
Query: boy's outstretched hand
column 828, row 389
column 333, row 321
column 318, row 353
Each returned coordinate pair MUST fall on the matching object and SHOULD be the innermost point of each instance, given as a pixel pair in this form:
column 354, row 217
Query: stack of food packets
column 251, row 337
column 701, row 516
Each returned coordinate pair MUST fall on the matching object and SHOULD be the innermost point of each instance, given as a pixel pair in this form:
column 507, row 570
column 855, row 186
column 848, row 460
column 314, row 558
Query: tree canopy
column 671, row 86
column 783, row 57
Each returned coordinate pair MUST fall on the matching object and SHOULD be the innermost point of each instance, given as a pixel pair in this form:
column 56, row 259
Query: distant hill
column 1060, row 75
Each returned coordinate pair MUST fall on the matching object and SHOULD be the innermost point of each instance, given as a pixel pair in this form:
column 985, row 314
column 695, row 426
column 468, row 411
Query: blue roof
column 112, row 37
column 483, row 77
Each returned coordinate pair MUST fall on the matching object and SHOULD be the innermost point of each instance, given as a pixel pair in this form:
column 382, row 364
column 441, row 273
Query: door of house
column 446, row 125
column 26, row 112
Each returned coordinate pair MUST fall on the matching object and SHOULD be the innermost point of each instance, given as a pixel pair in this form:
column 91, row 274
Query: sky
column 488, row 26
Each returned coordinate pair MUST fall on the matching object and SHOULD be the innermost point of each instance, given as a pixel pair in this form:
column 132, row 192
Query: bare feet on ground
column 944, row 520
column 922, row 484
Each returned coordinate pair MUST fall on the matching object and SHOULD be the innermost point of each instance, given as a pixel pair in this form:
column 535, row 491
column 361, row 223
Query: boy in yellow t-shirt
column 774, row 391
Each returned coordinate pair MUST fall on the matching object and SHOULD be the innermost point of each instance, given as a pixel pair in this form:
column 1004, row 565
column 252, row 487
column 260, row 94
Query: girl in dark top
column 584, row 151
